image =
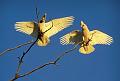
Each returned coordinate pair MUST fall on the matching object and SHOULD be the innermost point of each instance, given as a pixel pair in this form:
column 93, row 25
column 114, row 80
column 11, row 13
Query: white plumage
column 86, row 39
column 47, row 29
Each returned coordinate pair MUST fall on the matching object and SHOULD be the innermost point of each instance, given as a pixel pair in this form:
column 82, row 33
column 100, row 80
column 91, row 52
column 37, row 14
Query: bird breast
column 41, row 27
column 86, row 35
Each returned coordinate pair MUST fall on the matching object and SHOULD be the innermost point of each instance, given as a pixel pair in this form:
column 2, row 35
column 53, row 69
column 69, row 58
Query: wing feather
column 27, row 28
column 56, row 25
column 98, row 37
column 73, row 37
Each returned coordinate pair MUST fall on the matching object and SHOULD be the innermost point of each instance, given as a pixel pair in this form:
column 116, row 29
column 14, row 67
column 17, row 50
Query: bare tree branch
column 46, row 64
column 18, row 46
column 29, row 42
column 24, row 53
column 17, row 75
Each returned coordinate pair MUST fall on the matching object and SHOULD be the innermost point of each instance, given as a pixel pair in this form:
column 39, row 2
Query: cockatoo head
column 43, row 19
column 83, row 25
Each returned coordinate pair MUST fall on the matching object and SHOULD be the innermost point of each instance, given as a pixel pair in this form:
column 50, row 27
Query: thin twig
column 21, row 59
column 36, row 11
column 18, row 46
column 24, row 53
column 46, row 64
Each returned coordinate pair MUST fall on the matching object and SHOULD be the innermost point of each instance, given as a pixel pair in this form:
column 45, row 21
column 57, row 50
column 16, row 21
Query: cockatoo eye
column 41, row 21
column 82, row 25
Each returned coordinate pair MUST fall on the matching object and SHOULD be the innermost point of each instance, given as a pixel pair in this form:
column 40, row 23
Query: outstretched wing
column 73, row 37
column 98, row 37
column 27, row 28
column 54, row 26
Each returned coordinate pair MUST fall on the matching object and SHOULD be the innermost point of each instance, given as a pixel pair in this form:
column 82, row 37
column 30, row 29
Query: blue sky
column 101, row 65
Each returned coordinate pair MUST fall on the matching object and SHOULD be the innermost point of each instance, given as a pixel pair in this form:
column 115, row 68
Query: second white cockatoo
column 86, row 39
column 45, row 29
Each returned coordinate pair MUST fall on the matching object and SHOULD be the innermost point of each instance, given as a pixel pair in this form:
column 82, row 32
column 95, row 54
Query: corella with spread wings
column 86, row 39
column 46, row 30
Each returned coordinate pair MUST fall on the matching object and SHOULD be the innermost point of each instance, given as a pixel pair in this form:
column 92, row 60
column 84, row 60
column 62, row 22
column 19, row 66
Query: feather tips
column 98, row 37
column 56, row 25
column 24, row 27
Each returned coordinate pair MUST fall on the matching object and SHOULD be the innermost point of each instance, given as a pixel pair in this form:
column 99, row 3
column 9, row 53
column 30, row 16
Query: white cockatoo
column 45, row 29
column 86, row 39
